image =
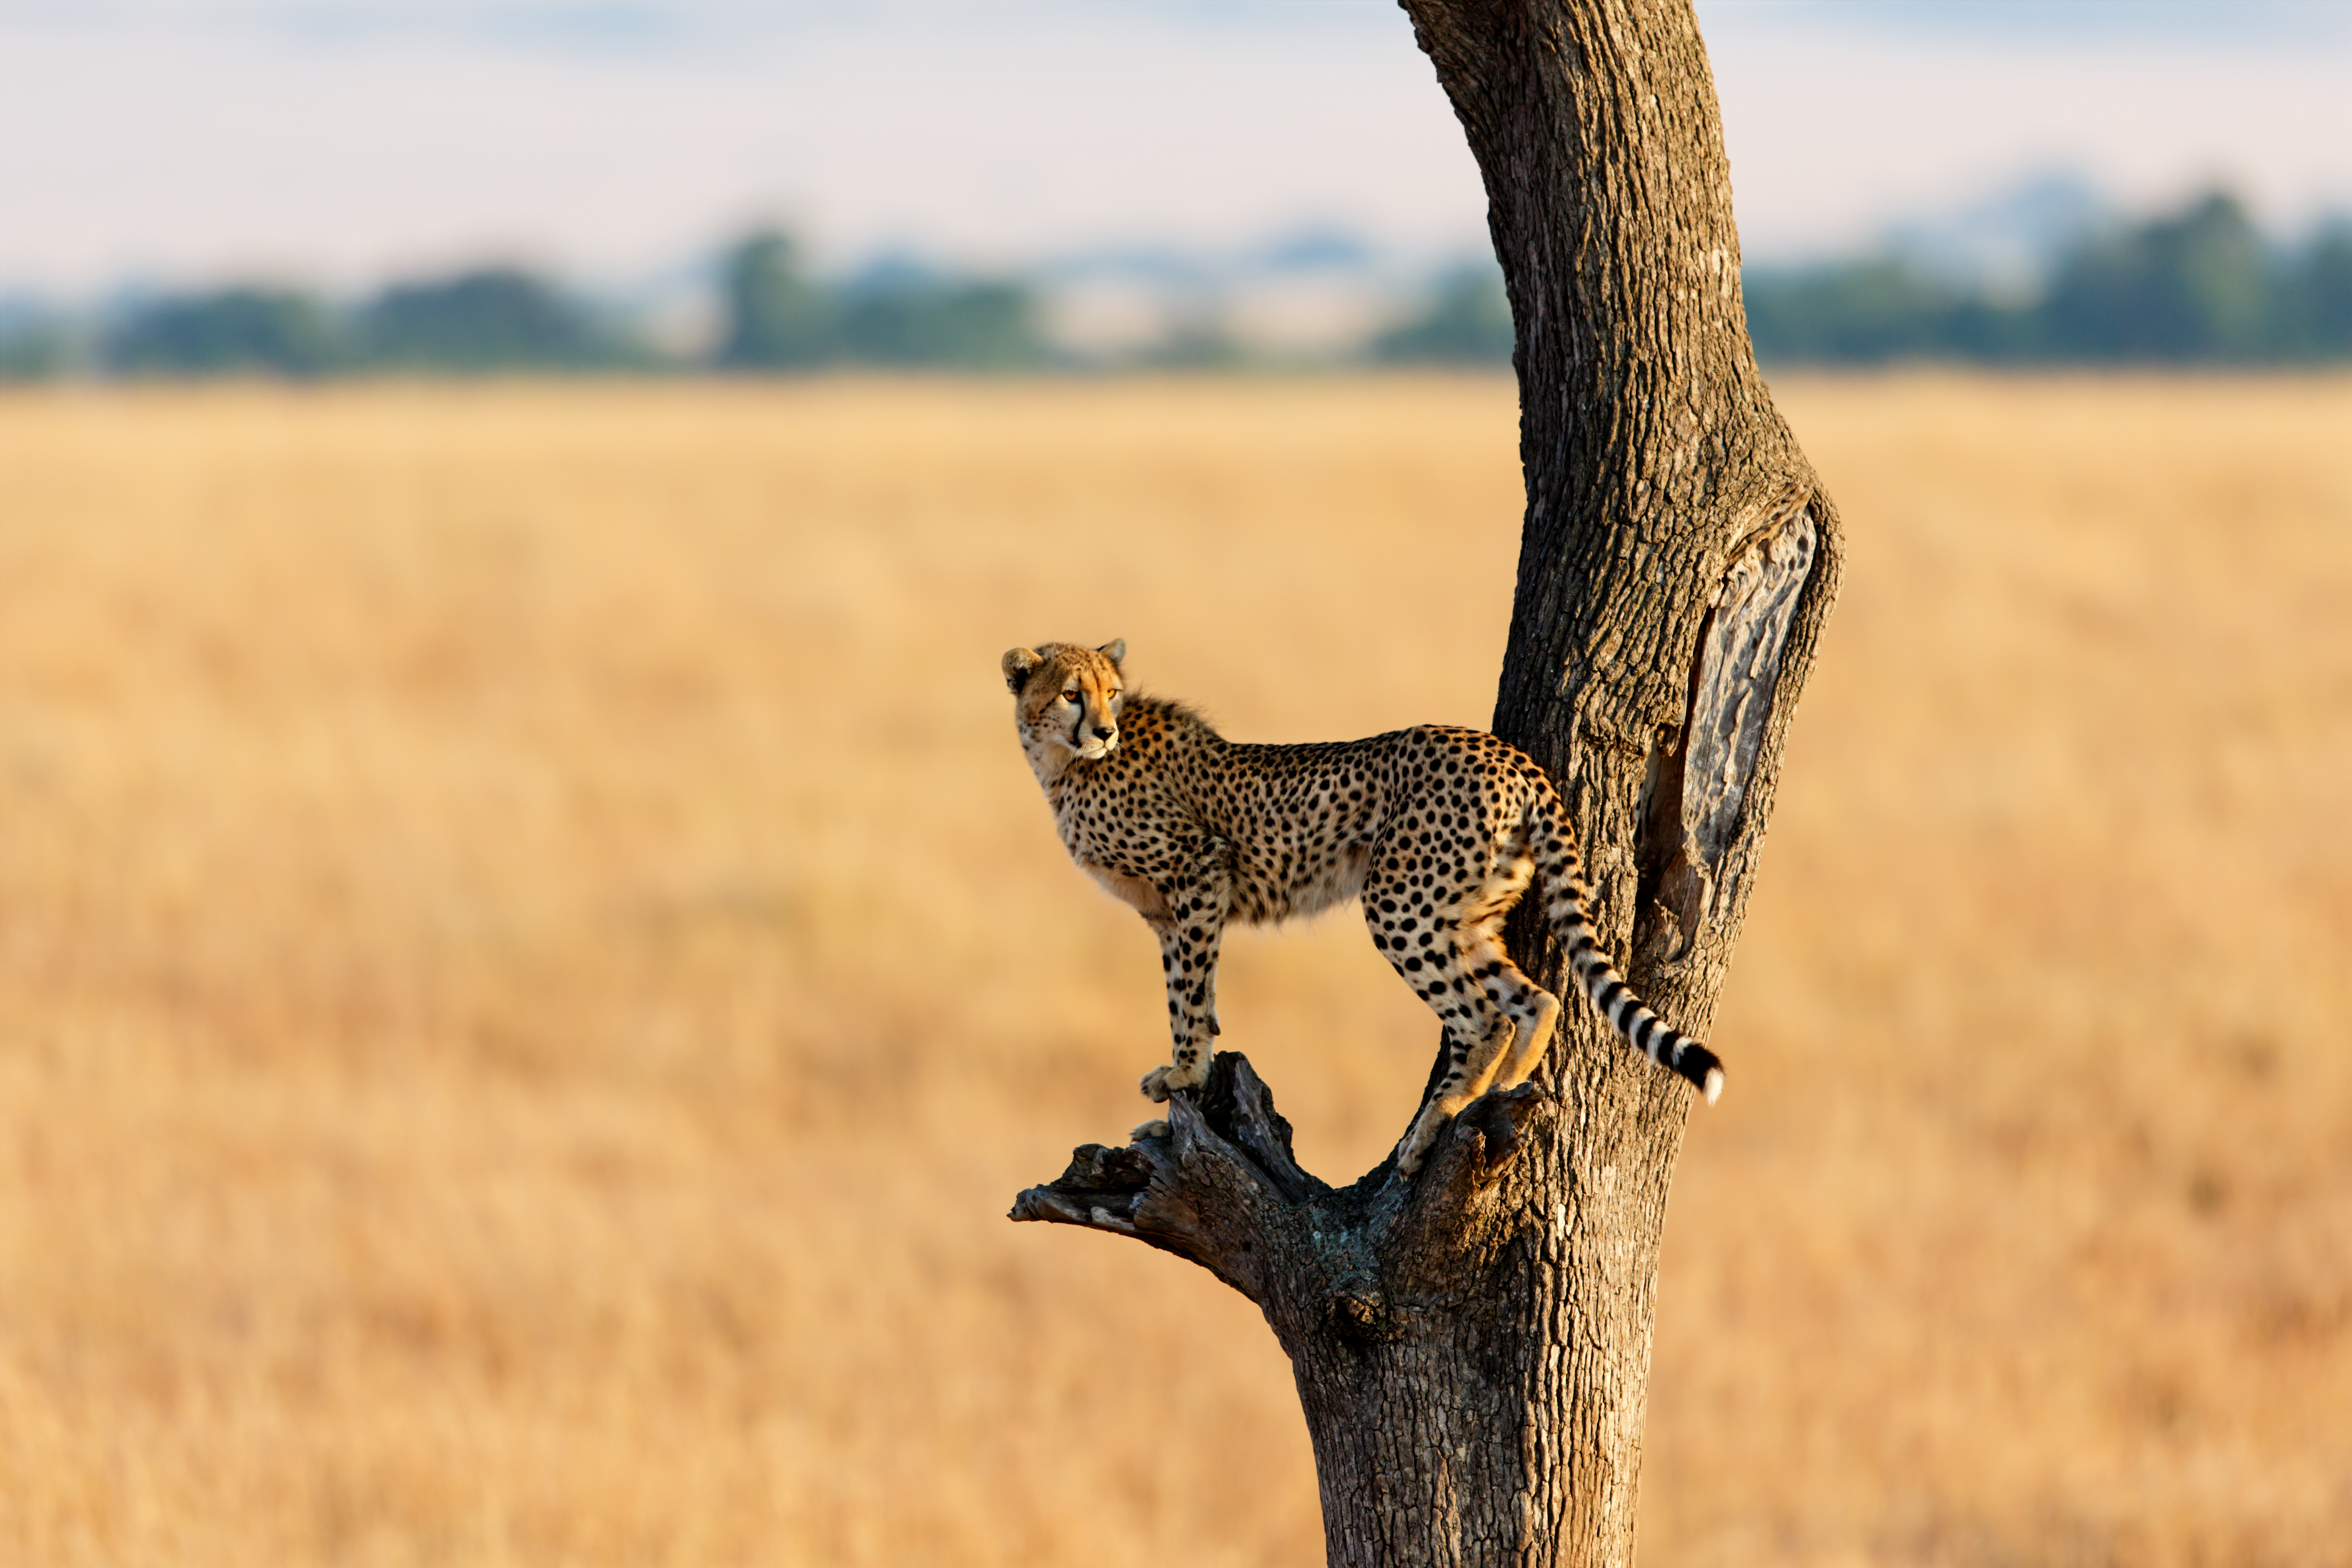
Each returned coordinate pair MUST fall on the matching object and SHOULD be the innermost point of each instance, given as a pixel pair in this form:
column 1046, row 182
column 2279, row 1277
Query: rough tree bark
column 1472, row 1346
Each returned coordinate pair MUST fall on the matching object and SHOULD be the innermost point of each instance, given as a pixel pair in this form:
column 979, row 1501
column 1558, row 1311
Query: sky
column 348, row 142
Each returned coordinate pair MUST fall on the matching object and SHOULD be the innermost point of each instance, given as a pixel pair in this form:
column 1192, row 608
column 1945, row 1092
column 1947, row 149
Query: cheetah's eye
column 1070, row 696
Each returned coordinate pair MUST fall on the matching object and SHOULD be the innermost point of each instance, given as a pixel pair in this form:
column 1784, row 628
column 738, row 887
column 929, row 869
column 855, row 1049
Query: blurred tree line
column 2195, row 287
column 775, row 316
column 779, row 317
column 488, row 320
column 1468, row 322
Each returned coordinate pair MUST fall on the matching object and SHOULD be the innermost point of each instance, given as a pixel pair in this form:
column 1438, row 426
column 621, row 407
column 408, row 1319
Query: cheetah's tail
column 1566, row 901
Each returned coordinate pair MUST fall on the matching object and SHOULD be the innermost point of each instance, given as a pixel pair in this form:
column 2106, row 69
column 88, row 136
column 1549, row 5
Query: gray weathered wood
column 1472, row 1346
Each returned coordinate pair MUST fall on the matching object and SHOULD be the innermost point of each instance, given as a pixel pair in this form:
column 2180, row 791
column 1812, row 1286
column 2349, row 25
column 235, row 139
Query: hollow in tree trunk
column 1472, row 1344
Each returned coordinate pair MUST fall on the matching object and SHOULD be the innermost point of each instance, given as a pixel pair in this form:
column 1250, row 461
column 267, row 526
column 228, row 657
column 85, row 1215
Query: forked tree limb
column 1222, row 1189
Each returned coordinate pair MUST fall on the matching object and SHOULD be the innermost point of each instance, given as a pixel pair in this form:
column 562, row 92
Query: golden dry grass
column 531, row 967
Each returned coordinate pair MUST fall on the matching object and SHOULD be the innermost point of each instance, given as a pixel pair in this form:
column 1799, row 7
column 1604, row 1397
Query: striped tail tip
column 1697, row 1063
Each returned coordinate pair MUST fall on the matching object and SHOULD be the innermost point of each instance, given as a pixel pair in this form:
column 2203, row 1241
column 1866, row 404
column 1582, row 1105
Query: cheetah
column 1438, row 830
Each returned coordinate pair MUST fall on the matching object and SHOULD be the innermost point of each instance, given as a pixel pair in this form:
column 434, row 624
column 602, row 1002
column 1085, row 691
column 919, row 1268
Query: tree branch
column 1223, row 1189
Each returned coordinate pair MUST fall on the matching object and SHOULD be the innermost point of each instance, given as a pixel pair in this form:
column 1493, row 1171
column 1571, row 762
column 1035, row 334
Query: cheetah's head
column 1067, row 697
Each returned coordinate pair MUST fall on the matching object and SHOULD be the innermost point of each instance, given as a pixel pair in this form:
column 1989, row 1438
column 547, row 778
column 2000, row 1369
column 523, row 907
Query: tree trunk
column 1472, row 1346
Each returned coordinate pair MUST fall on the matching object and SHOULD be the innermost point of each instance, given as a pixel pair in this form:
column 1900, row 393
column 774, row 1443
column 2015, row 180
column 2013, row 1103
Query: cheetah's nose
column 1102, row 732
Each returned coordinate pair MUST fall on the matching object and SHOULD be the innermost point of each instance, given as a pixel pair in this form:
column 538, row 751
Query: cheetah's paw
column 1162, row 1081
column 1155, row 1128
column 1417, row 1141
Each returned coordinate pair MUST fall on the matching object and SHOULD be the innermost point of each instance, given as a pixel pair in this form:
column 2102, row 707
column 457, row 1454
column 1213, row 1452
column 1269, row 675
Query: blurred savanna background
column 530, row 965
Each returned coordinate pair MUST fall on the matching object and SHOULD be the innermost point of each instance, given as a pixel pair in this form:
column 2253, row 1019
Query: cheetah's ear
column 1019, row 664
column 1115, row 651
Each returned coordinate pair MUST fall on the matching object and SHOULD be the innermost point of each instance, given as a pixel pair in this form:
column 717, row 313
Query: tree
column 902, row 316
column 34, row 346
column 282, row 331
column 919, row 321
column 2187, row 287
column 1468, row 322
column 1472, row 1346
column 491, row 318
column 777, row 316
column 2318, row 313
column 1870, row 311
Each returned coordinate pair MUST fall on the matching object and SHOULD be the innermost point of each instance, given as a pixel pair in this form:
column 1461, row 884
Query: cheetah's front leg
column 1198, row 901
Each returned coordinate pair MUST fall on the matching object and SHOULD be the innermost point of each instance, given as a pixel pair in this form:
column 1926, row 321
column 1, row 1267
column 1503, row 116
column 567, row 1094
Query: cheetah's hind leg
column 1460, row 969
column 1534, row 1009
column 1444, row 960
column 1467, row 1078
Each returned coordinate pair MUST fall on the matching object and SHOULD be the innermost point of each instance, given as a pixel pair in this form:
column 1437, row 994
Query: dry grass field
column 530, row 968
